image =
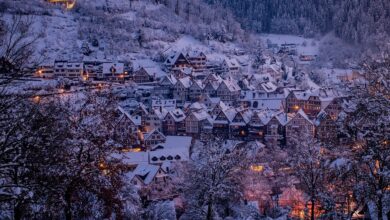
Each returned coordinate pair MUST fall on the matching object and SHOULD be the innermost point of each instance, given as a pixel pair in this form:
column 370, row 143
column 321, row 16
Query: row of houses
column 84, row 70
column 188, row 89
column 274, row 127
column 192, row 64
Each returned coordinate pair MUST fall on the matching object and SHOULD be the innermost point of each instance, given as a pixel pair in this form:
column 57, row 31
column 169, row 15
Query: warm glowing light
column 102, row 165
column 135, row 150
column 296, row 107
column 302, row 214
column 37, row 99
column 140, row 135
column 69, row 4
column 242, row 132
column 257, row 168
column 61, row 90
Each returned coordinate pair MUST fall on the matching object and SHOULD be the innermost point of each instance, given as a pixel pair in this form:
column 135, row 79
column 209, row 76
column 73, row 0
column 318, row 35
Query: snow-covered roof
column 230, row 113
column 172, row 58
column 171, row 78
column 265, row 116
column 135, row 119
column 131, row 158
column 321, row 116
column 269, row 87
column 305, row 95
column 200, row 115
column 195, row 54
column 198, row 83
column 303, row 114
column 197, row 106
column 231, row 63
column 178, row 115
column 155, row 72
column 232, row 85
column 153, row 132
column 146, row 172
column 161, row 113
column 174, row 148
column 186, row 82
column 117, row 68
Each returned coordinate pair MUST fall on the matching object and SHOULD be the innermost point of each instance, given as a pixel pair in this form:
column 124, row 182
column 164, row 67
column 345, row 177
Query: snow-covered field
column 305, row 46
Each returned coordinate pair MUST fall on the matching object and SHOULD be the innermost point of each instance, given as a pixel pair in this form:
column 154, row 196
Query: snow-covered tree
column 161, row 210
column 17, row 44
column 310, row 166
column 367, row 123
column 212, row 180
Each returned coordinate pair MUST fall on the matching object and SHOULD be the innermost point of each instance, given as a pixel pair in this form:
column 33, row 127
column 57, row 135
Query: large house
column 68, row 69
column 153, row 138
column 177, row 61
column 197, row 60
column 196, row 121
column 145, row 75
column 166, row 86
column 275, row 129
column 174, row 122
column 45, row 71
column 326, row 128
column 222, row 121
column 299, row 126
column 307, row 101
column 195, row 90
column 229, row 92
column 181, row 90
column 239, row 125
column 113, row 71
column 231, row 66
column 127, row 122
column 146, row 174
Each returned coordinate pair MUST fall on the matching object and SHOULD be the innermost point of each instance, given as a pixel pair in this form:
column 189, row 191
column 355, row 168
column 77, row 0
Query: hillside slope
column 112, row 28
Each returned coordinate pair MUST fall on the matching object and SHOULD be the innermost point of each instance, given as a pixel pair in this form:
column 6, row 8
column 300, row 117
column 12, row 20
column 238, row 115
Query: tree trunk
column 312, row 210
column 17, row 212
column 68, row 207
column 380, row 208
column 209, row 211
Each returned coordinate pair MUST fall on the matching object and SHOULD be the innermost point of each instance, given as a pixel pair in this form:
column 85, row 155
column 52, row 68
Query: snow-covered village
column 194, row 109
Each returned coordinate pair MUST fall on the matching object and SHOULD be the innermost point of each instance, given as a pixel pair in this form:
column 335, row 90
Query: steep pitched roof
column 136, row 120
column 186, row 82
column 145, row 172
column 231, row 85
column 177, row 114
column 200, row 115
column 172, row 58
column 154, row 131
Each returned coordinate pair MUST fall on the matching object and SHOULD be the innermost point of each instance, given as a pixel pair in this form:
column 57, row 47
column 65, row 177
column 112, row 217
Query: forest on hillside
column 356, row 21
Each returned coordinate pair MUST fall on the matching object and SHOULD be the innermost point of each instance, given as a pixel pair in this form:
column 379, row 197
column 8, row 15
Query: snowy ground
column 311, row 48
